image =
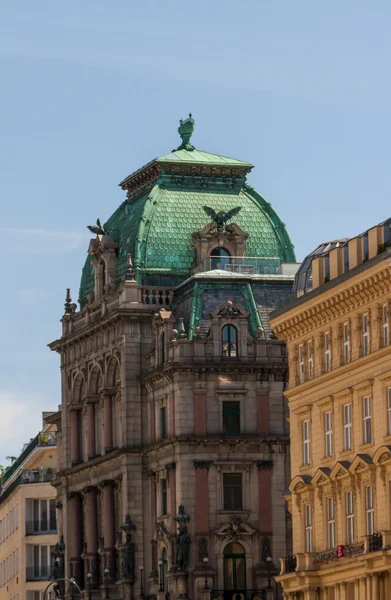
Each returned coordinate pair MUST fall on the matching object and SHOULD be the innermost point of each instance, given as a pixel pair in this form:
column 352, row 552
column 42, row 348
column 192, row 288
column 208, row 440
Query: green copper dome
column 165, row 206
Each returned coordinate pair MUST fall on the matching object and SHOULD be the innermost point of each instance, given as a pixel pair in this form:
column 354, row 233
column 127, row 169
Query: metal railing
column 238, row 594
column 41, row 527
column 246, row 265
column 38, row 573
column 42, row 439
column 24, row 477
column 290, row 564
column 375, row 542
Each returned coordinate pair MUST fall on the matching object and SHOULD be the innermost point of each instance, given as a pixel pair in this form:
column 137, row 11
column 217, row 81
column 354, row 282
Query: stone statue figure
column 99, row 229
column 182, row 548
column 221, row 217
column 128, row 549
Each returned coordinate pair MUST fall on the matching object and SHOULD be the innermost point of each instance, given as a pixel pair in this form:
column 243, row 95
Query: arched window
column 229, row 341
column 162, row 349
column 234, row 568
column 219, row 257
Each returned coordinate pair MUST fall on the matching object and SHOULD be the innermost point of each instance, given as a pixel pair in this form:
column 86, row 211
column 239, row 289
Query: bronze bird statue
column 222, row 216
column 98, row 228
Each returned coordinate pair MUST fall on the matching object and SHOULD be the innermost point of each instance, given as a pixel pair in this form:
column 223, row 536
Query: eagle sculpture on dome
column 221, row 217
column 99, row 229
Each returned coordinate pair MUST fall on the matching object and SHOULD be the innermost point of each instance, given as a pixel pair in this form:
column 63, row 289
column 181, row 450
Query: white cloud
column 21, row 419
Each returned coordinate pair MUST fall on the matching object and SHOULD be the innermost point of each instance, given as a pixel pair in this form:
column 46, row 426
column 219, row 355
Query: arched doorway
column 234, row 569
column 219, row 257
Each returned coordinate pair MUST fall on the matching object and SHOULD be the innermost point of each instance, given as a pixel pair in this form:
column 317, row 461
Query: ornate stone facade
column 172, row 396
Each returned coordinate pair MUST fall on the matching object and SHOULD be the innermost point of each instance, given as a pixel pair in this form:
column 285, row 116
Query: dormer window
column 219, row 257
column 229, row 341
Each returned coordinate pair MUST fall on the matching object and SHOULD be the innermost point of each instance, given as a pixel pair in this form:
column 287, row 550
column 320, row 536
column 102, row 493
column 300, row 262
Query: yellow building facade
column 337, row 331
column 28, row 523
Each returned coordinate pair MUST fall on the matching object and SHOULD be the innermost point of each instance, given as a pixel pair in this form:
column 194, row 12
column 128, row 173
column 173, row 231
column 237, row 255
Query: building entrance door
column 234, row 566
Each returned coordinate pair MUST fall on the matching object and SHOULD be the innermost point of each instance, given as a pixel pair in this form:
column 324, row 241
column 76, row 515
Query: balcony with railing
column 27, row 476
column 38, row 573
column 374, row 542
column 41, row 527
column 42, row 439
column 242, row 265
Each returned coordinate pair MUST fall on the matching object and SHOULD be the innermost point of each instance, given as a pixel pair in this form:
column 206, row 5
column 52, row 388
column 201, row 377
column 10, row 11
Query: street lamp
column 57, row 588
column 205, row 560
column 141, row 567
column 89, row 577
column 161, row 587
column 106, row 572
column 269, row 577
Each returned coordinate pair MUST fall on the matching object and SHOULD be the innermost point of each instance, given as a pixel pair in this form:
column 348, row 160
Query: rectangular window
column 331, row 522
column 346, row 343
column 163, row 488
column 52, row 515
column 349, row 518
column 306, row 442
column 347, row 426
column 365, row 333
column 385, row 325
column 389, row 410
column 310, row 361
column 301, row 364
column 327, row 352
column 231, row 418
column 163, row 430
column 328, row 430
column 232, row 484
column 308, row 528
column 367, row 420
column 370, row 511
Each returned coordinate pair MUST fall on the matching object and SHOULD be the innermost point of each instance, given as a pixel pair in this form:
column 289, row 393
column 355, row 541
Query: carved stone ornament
column 234, row 530
column 161, row 532
column 229, row 309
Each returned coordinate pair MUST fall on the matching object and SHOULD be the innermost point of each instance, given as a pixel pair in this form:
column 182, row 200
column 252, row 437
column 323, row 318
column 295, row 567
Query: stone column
column 90, row 429
column 109, row 528
column 263, row 412
column 91, row 529
column 74, row 536
column 200, row 412
column 375, row 587
column 75, row 435
column 342, row 591
column 108, row 422
column 265, row 507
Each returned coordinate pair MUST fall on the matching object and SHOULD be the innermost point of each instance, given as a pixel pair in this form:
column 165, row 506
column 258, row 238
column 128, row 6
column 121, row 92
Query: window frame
column 367, row 419
column 369, row 510
column 163, row 497
column 163, row 422
column 366, row 335
column 310, row 360
column 301, row 364
column 230, row 344
column 230, row 412
column 385, row 324
column 328, row 433
column 306, row 435
column 327, row 352
column 346, row 343
column 308, row 527
column 347, row 427
column 330, row 522
column 349, row 507
column 231, row 505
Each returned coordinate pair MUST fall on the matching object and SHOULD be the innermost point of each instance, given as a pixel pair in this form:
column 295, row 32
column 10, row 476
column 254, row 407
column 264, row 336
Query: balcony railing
column 38, row 573
column 42, row 439
column 40, row 527
column 28, row 476
column 290, row 564
column 238, row 594
column 375, row 542
column 245, row 265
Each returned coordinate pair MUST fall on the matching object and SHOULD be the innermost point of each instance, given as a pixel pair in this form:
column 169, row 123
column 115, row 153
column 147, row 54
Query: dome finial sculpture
column 185, row 130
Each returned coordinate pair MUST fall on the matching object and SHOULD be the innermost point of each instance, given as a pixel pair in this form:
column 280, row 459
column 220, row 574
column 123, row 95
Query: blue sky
column 92, row 90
